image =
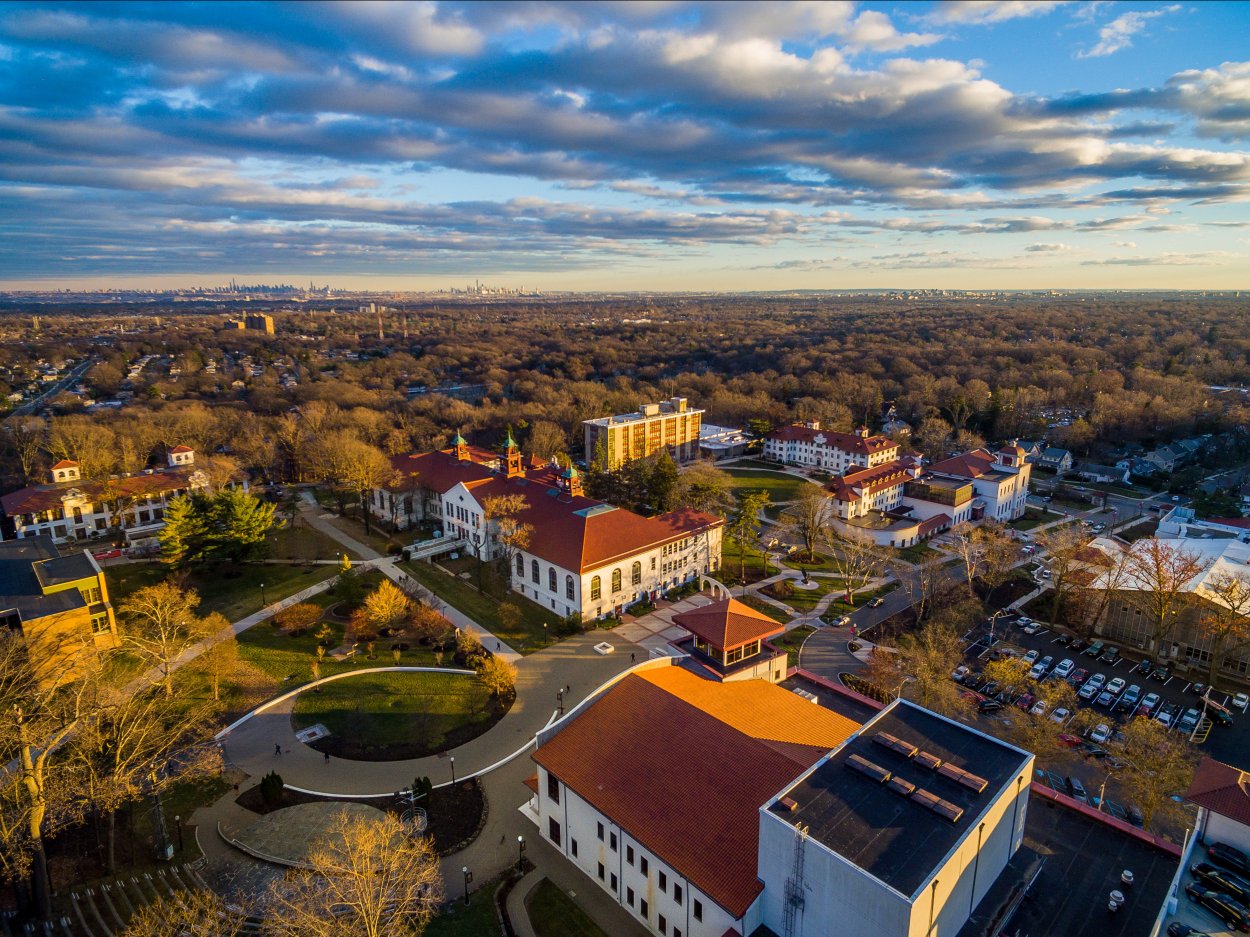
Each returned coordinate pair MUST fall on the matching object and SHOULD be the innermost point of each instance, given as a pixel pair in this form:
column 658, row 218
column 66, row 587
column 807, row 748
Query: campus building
column 60, row 604
column 72, row 508
column 253, row 322
column 1000, row 481
column 583, row 557
column 670, row 424
column 807, row 445
column 710, row 809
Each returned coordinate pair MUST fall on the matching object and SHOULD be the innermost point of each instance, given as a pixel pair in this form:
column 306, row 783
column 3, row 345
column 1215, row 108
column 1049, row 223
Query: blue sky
column 665, row 145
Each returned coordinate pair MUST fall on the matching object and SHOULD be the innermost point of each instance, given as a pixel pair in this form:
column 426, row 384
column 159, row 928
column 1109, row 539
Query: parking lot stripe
column 1168, row 680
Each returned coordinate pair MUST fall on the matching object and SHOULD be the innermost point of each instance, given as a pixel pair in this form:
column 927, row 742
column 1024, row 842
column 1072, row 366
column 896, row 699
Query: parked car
column 1101, row 733
column 1076, row 788
column 1077, row 645
column 1039, row 708
column 991, row 688
column 1199, row 688
column 1116, row 686
column 1105, row 698
column 1161, row 673
column 1030, row 657
column 1129, row 698
column 1093, row 751
column 1144, row 667
column 1221, row 718
column 1167, row 714
column 1177, row 929
column 1229, row 857
column 1110, row 655
column 1232, row 913
column 1063, row 668
column 1095, row 649
column 1025, row 701
column 1092, row 686
column 1230, row 883
column 1032, row 628
column 1078, row 676
column 1061, row 715
column 1240, row 701
column 960, row 672
column 987, row 706
column 876, row 602
column 1037, row 671
column 1135, row 815
column 1068, row 740
column 1189, row 720
column 1148, row 704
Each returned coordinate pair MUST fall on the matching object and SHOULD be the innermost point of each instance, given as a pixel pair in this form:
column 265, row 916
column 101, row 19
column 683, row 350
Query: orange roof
column 971, row 464
column 43, row 497
column 1222, row 789
column 683, row 765
column 182, row 449
column 852, row 485
column 66, row 463
column 847, row 442
column 728, row 624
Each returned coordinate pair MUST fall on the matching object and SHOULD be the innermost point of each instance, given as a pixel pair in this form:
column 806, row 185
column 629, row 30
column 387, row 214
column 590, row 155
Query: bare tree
column 1159, row 572
column 854, row 557
column 160, row 625
column 930, row 655
column 1112, row 575
column 1228, row 626
column 1063, row 546
column 923, row 584
column 366, row 878
column 502, row 523
column 809, row 517
column 1160, row 763
column 189, row 913
column 26, row 439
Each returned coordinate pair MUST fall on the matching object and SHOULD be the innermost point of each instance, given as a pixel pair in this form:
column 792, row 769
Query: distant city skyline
column 679, row 146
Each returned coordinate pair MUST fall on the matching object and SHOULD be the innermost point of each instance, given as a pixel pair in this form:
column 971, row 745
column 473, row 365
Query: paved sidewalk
column 572, row 663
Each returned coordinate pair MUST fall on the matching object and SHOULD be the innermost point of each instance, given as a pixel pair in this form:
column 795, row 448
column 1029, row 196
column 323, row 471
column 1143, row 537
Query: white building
column 808, row 445
column 1222, row 793
column 710, row 809
column 1000, row 480
column 71, row 508
column 583, row 557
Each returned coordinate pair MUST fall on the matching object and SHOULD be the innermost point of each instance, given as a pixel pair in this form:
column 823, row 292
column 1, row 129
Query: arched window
column 594, row 588
column 616, row 580
column 534, row 571
column 568, row 587
column 551, row 579
column 520, row 565
column 636, row 576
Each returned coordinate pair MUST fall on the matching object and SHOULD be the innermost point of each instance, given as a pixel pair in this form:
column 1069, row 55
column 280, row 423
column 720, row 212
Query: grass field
column 917, row 552
column 526, row 636
column 780, row 487
column 552, row 913
column 302, row 542
column 234, row 591
column 791, row 641
column 381, row 709
column 476, row 920
column 760, row 605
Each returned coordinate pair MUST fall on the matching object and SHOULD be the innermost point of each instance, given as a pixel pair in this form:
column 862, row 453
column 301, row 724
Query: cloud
column 1118, row 34
column 1167, row 259
column 981, row 12
column 873, row 30
column 1047, row 248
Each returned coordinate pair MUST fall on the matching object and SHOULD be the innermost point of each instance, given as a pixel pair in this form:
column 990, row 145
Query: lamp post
column 544, row 634
column 453, row 769
column 520, row 853
column 560, row 701
column 468, row 877
column 178, row 821
column 263, row 603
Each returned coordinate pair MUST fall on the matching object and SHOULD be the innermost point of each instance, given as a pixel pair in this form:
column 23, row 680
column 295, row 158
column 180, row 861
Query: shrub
column 298, row 618
column 498, row 676
column 509, row 615
column 349, row 588
column 271, row 789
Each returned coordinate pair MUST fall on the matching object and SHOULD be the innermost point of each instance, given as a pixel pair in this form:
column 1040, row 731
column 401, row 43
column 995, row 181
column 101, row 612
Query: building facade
column 671, row 424
column 71, row 508
column 806, row 444
column 59, row 603
column 581, row 557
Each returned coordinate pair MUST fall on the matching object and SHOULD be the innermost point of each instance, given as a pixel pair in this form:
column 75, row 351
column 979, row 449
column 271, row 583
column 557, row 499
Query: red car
column 1025, row 701
column 1069, row 741
column 107, row 554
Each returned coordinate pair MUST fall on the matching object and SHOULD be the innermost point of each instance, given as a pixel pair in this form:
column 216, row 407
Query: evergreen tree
column 662, row 482
column 239, row 523
column 183, row 533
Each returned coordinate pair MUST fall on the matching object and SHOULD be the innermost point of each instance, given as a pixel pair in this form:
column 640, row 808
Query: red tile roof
column 66, row 463
column 852, row 485
column 683, row 765
column 847, row 442
column 182, row 449
column 1232, row 521
column 728, row 624
column 44, row 497
column 1222, row 789
column 933, row 523
column 971, row 464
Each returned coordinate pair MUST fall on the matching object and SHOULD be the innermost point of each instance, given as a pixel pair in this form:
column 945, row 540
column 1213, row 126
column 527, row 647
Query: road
column 48, row 395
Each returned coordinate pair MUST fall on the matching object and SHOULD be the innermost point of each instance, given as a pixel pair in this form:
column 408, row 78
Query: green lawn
column 760, row 605
column 917, row 552
column 374, row 710
column 552, row 913
column 838, row 608
column 302, row 542
column 1032, row 518
column 780, row 486
column 791, row 641
column 821, row 564
column 526, row 636
column 235, row 591
column 476, row 920
column 753, row 561
column 804, row 600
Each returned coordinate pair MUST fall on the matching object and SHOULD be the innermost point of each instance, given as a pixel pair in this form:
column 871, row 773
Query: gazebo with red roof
column 731, row 639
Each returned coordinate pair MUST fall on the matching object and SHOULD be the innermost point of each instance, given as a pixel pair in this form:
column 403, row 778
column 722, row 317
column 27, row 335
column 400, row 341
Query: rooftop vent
column 965, row 778
column 932, row 762
column 789, row 804
column 943, row 808
column 894, row 743
column 867, row 768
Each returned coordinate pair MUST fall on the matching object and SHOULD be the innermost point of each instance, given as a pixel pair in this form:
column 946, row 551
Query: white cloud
column 1047, row 248
column 1119, row 33
column 873, row 30
column 980, row 12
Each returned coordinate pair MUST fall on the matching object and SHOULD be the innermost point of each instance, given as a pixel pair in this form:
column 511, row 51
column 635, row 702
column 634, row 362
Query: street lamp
column 453, row 769
column 468, row 877
column 520, row 853
column 178, row 821
column 544, row 634
column 263, row 603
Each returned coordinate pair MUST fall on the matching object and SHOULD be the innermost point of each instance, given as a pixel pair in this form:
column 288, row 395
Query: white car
column 1060, row 715
column 1116, row 686
column 1030, row 657
column 1039, row 708
column 1065, row 667
column 1241, row 700
column 960, row 672
column 1101, row 734
column 1032, row 628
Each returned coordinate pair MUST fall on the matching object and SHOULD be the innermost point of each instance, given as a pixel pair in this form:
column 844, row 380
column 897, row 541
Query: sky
column 997, row 144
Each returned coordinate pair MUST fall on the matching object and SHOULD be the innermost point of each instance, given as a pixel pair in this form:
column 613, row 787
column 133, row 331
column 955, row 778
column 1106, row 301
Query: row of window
column 644, row 869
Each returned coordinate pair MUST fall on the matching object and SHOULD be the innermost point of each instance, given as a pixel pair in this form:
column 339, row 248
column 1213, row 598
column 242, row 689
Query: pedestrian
column 497, row 646
column 631, row 657
column 327, row 754
column 568, row 688
column 277, row 748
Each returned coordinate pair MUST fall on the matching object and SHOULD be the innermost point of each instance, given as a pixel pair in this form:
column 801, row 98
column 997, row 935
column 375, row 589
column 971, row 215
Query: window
column 520, row 565
column 613, row 881
column 698, row 910
column 629, row 897
column 601, row 873
column 642, row 864
column 663, row 880
column 573, row 847
column 642, row 907
column 568, row 587
column 534, row 571
column 553, row 830
column 600, row 832
column 595, row 587
column 653, row 564
column 635, row 576
column 99, row 623
column 553, row 788
column 90, row 595
column 616, row 580
column 613, row 842
column 629, row 854
column 551, row 579
column 663, row 924
column 676, row 893
column 676, row 932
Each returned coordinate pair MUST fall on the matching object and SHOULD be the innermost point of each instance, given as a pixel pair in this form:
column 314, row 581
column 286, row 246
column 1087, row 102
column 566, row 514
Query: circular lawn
column 397, row 715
